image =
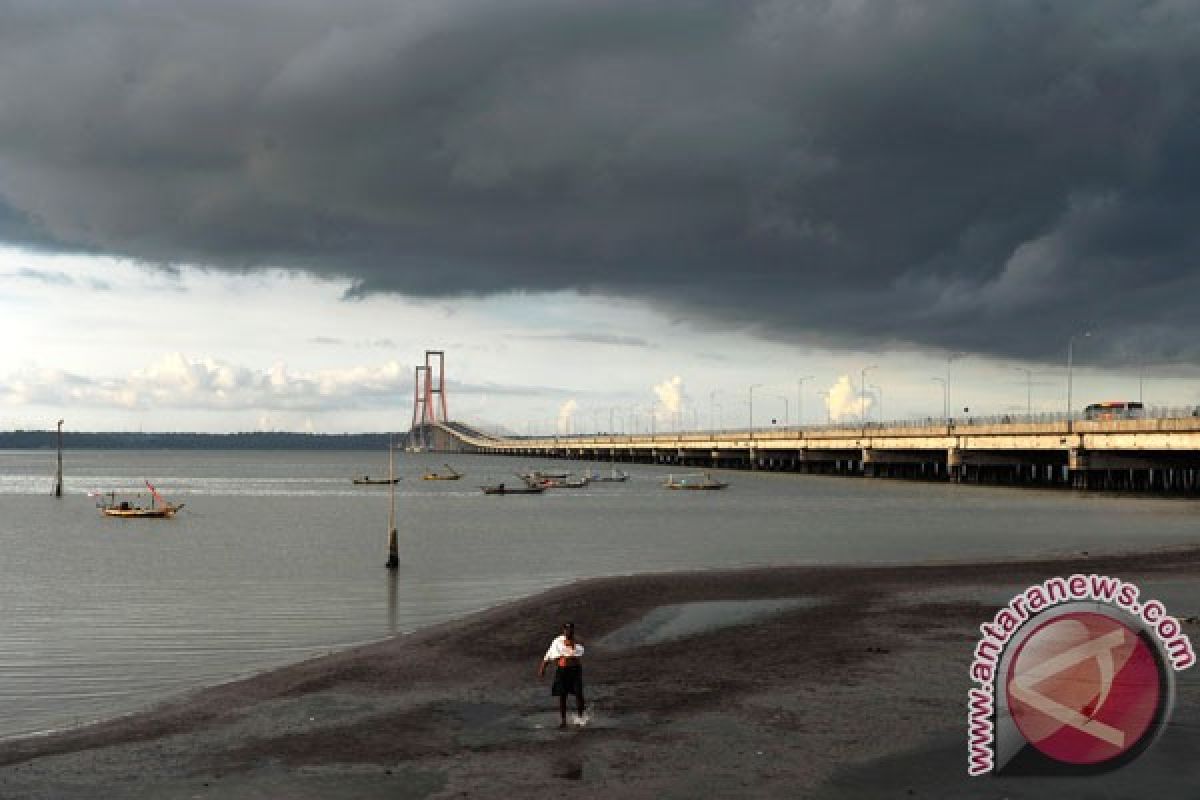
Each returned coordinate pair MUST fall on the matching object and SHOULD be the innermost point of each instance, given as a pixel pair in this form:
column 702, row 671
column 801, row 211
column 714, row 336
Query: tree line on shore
column 83, row 440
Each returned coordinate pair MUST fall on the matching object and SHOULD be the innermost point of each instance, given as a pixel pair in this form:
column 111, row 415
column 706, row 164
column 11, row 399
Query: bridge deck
column 1148, row 453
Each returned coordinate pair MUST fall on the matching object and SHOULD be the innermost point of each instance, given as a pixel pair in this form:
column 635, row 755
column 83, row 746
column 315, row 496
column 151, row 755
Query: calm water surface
column 278, row 557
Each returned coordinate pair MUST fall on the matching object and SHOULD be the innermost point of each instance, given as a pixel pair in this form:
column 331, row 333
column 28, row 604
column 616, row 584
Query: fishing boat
column 451, row 475
column 543, row 474
column 367, row 480
column 567, row 482
column 159, row 508
column 699, row 482
column 615, row 476
column 500, row 488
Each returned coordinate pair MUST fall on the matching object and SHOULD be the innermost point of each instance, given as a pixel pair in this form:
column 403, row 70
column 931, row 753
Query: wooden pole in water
column 393, row 561
column 58, row 483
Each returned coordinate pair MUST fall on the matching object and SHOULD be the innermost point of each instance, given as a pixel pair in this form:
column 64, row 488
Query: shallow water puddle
column 678, row 621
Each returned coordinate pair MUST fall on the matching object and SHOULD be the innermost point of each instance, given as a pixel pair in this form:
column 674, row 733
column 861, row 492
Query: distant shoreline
column 98, row 440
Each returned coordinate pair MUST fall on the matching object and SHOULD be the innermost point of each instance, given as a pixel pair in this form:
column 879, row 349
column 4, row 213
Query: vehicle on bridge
column 1115, row 409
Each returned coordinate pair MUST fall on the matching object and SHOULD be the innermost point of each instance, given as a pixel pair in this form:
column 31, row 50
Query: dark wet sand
column 859, row 696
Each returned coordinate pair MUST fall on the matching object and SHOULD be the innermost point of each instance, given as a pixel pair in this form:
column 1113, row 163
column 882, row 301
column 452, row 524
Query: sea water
column 278, row 557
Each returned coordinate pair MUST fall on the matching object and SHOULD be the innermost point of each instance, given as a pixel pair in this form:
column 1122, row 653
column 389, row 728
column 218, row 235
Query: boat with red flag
column 125, row 505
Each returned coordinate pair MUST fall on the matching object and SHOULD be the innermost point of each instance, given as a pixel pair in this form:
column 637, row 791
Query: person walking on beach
column 566, row 651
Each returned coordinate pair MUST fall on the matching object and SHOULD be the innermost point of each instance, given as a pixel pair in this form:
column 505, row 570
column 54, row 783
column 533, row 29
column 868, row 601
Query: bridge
column 1159, row 455
column 1156, row 454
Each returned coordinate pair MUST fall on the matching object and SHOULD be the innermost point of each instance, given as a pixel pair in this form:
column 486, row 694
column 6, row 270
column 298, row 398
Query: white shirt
column 560, row 649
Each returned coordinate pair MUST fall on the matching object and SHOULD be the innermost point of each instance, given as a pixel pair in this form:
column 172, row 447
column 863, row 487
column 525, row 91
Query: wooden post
column 393, row 561
column 58, row 483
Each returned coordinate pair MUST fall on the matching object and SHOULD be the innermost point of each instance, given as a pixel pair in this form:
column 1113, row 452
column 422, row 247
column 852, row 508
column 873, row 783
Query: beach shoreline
column 778, row 702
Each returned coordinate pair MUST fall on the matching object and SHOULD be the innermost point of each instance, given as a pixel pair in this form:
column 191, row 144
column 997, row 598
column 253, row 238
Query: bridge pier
column 1153, row 455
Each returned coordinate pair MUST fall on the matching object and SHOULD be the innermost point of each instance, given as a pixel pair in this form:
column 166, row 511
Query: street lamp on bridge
column 945, row 397
column 753, row 386
column 862, row 392
column 950, row 359
column 800, row 398
column 1028, row 389
column 1070, row 359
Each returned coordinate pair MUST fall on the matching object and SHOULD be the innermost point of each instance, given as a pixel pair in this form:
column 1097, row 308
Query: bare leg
column 562, row 709
column 582, row 706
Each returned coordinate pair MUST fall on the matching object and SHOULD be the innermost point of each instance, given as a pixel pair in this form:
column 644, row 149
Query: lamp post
column 1070, row 364
column 945, row 398
column 1028, row 389
column 786, row 417
column 800, row 398
column 753, row 386
column 862, row 392
column 950, row 359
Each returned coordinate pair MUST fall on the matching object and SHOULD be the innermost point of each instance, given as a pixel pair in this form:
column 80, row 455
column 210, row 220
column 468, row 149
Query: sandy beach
column 772, row 682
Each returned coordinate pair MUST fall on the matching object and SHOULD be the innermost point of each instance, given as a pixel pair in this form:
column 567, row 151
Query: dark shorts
column 568, row 680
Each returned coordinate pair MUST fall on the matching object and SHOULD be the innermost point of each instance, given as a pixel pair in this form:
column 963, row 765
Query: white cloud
column 844, row 402
column 566, row 414
column 178, row 381
column 199, row 350
column 670, row 395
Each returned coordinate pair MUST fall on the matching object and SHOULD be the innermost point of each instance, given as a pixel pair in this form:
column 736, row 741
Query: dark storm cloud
column 59, row 278
column 612, row 340
column 51, row 277
column 335, row 341
column 970, row 176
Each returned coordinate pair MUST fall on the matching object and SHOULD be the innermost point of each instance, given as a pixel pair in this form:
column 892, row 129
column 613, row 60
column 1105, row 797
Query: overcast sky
column 241, row 215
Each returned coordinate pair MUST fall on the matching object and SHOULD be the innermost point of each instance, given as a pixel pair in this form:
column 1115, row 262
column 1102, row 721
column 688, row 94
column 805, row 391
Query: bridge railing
column 1043, row 418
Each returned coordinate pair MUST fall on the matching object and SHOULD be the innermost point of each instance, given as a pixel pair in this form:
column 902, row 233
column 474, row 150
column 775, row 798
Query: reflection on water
column 666, row 623
column 393, row 600
column 278, row 557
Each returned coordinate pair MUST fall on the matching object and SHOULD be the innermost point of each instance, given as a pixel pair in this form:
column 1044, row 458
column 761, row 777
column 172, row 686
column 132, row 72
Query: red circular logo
column 1084, row 688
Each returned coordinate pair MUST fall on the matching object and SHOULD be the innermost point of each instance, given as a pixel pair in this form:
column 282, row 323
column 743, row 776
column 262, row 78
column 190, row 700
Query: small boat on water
column 500, row 488
column 124, row 508
column 567, row 482
column 451, row 475
column 615, row 476
column 367, row 480
column 553, row 480
column 699, row 482
column 541, row 474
